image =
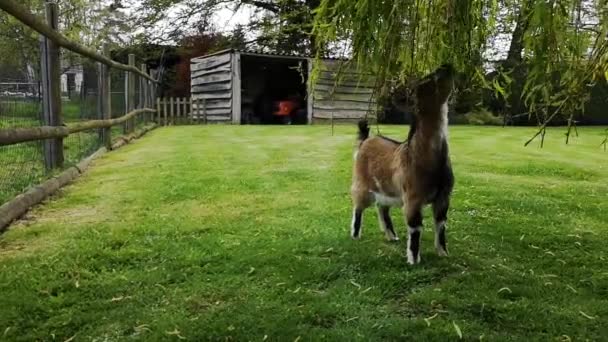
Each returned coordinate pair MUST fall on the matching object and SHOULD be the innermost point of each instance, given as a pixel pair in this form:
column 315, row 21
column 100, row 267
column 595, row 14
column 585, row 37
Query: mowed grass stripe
column 241, row 232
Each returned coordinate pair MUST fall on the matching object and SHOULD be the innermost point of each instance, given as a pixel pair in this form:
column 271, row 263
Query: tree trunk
column 513, row 64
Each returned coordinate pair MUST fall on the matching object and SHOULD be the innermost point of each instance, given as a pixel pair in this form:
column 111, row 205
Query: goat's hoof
column 355, row 237
column 442, row 252
column 390, row 238
column 413, row 261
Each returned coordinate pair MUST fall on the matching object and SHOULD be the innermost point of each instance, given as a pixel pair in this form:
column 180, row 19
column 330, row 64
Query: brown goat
column 409, row 174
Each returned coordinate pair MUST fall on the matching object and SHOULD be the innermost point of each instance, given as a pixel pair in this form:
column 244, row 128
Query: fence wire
column 21, row 105
column 21, row 165
column 84, row 105
column 118, row 100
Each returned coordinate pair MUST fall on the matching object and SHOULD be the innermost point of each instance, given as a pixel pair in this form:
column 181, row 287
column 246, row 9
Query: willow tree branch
column 542, row 128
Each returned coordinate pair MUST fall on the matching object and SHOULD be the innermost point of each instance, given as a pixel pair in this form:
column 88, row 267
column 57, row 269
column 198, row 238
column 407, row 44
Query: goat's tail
column 363, row 131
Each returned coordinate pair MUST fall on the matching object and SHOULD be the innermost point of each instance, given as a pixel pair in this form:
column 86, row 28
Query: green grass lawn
column 241, row 233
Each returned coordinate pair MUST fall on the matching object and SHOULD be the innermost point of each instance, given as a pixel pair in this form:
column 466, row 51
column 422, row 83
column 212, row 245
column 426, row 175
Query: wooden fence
column 54, row 131
column 182, row 111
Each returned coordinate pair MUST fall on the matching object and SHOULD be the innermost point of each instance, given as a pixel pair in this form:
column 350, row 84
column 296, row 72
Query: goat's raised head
column 401, row 97
column 434, row 90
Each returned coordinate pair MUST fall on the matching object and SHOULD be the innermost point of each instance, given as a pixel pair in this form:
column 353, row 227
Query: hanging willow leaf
column 557, row 47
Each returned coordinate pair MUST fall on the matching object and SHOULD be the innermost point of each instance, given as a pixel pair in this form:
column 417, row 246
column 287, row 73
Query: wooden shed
column 244, row 87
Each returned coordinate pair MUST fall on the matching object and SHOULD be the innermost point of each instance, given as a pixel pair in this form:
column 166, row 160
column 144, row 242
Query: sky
column 226, row 20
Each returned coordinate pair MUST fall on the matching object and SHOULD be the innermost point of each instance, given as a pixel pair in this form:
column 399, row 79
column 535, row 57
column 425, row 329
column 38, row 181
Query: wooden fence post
column 143, row 92
column 99, row 114
column 172, row 104
column 191, row 112
column 51, row 90
column 158, row 121
column 130, row 94
column 179, row 109
column 204, row 111
column 106, row 99
column 198, row 111
column 165, row 110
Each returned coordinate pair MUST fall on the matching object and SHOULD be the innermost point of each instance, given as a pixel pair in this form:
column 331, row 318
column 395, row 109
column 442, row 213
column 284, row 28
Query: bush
column 483, row 117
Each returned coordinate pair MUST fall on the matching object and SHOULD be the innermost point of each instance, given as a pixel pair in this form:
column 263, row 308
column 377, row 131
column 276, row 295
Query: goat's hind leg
column 386, row 224
column 440, row 214
column 355, row 226
column 361, row 201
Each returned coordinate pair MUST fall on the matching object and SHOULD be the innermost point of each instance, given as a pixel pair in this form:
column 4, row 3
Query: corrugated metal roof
column 269, row 54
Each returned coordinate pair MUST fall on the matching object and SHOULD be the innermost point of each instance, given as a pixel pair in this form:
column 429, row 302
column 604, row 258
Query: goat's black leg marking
column 355, row 231
column 440, row 213
column 386, row 223
column 414, row 227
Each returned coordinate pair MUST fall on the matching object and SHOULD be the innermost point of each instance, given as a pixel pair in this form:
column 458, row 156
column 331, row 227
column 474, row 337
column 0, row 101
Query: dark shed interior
column 267, row 82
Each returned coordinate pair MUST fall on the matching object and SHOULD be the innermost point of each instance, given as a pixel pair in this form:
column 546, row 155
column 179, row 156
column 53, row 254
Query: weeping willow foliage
column 564, row 43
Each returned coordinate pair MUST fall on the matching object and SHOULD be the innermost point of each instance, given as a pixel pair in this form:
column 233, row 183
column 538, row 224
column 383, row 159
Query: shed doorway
column 273, row 90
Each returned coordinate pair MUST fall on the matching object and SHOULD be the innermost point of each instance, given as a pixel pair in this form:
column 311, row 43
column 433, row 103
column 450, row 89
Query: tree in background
column 281, row 26
column 557, row 49
column 89, row 22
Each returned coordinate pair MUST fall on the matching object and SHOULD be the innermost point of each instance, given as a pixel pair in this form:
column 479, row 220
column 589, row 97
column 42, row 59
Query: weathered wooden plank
column 214, row 104
column 320, row 88
column 172, row 110
column 323, row 96
column 178, row 102
column 340, row 114
column 215, row 78
column 197, row 60
column 218, row 111
column 220, row 117
column 165, row 110
column 212, row 62
column 211, row 87
column 349, row 83
column 200, row 73
column 236, row 89
column 343, row 105
column 214, row 96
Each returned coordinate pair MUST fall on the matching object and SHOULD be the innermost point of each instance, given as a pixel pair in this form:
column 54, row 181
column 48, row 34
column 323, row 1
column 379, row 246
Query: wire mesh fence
column 20, row 106
column 23, row 165
column 82, row 105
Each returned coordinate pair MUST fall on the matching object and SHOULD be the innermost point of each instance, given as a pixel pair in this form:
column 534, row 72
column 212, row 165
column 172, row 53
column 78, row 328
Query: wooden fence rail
column 54, row 130
column 172, row 111
column 9, row 136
